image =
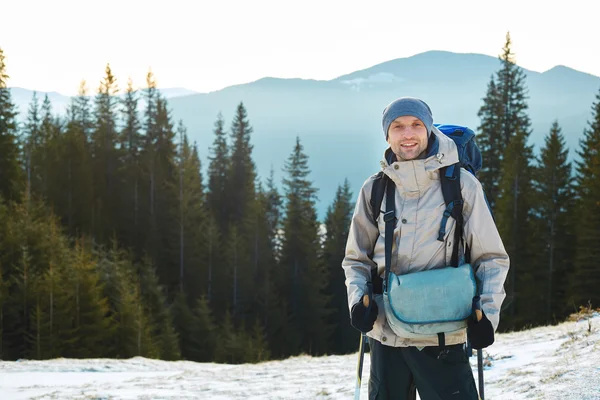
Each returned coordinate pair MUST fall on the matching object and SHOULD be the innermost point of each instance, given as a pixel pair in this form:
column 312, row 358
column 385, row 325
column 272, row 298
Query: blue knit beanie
column 407, row 106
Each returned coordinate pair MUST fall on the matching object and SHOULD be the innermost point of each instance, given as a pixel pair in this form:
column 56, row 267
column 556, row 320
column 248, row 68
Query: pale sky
column 51, row 45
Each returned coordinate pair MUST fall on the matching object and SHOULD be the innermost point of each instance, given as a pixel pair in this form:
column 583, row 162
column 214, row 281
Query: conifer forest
column 114, row 244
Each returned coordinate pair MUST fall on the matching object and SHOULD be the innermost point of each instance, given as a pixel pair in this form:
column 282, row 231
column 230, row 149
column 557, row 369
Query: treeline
column 113, row 243
column 548, row 212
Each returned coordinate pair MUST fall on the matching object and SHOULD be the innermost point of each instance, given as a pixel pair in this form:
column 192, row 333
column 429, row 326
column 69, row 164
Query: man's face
column 407, row 137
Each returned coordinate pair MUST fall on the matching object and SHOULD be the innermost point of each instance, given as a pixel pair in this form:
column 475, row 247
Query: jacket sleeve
column 361, row 241
column 488, row 255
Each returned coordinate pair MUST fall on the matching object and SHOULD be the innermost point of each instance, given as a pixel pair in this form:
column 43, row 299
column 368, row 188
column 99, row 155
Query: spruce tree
column 264, row 262
column 106, row 159
column 240, row 195
column 490, row 142
column 81, row 110
column 586, row 277
column 130, row 141
column 160, row 315
column 32, row 139
column 132, row 329
column 164, row 233
column 242, row 171
column 11, row 176
column 517, row 229
column 191, row 217
column 77, row 167
column 212, row 240
column 275, row 307
column 305, row 279
column 88, row 307
column 183, row 323
column 554, row 207
column 44, row 159
column 204, row 339
column 337, row 226
column 218, row 218
column 218, row 170
column 505, row 129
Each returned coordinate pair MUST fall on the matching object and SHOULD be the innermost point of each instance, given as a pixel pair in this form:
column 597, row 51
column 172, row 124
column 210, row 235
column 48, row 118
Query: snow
column 553, row 362
column 357, row 84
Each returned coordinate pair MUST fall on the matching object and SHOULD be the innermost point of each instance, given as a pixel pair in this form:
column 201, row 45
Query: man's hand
column 364, row 314
column 480, row 331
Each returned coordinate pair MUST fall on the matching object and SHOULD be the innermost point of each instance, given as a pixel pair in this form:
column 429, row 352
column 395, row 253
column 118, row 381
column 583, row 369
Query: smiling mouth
column 408, row 145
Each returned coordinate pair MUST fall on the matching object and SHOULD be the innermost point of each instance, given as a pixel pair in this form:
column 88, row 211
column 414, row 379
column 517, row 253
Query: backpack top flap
column 469, row 154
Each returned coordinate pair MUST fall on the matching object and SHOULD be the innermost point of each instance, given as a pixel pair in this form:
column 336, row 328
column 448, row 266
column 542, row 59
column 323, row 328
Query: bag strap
column 377, row 192
column 450, row 181
column 390, row 218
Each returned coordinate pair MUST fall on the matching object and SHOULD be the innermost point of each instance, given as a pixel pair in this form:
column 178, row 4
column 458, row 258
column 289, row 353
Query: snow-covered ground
column 555, row 362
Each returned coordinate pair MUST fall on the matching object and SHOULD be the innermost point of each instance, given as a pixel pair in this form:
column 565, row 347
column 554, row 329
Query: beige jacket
column 419, row 209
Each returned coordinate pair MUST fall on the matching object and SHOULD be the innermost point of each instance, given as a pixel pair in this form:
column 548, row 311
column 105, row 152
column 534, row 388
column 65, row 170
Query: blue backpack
column 469, row 157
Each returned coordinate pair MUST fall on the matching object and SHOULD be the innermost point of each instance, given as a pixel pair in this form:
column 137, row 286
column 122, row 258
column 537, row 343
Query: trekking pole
column 478, row 316
column 480, row 373
column 363, row 340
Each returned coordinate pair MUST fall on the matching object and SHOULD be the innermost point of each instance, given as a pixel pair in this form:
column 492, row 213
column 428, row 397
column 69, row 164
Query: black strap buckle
column 389, row 216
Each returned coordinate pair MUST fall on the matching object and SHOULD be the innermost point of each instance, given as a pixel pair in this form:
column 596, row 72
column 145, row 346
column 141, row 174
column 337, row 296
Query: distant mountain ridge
column 22, row 98
column 339, row 121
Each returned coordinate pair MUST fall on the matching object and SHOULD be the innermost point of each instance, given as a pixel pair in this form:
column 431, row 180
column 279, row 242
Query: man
column 417, row 151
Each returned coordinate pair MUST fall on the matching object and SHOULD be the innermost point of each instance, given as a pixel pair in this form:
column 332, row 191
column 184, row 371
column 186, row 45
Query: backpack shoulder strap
column 377, row 192
column 390, row 221
column 450, row 181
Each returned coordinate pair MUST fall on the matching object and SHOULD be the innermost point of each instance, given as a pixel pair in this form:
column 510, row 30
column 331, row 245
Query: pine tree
column 183, row 322
column 88, row 307
column 517, row 229
column 234, row 277
column 337, row 226
column 147, row 186
column 554, row 207
column 106, row 159
column 32, row 133
column 81, row 112
column 264, row 258
column 305, row 279
column 240, row 197
column 164, row 233
column 131, row 142
column 131, row 321
column 231, row 347
column 490, row 142
column 275, row 319
column 76, row 170
column 212, row 245
column 273, row 212
column 25, row 254
column 204, row 333
column 218, row 169
column 242, row 171
column 192, row 219
column 54, row 307
column 11, row 177
column 586, row 276
column 154, row 298
column 257, row 349
column 45, row 155
column 505, row 132
column 218, row 219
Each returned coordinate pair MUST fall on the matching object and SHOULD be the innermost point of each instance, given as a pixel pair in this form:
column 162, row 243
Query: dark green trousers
column 438, row 375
